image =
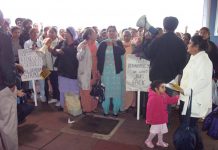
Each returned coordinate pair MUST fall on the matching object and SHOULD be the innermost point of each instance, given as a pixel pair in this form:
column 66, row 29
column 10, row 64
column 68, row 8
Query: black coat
column 167, row 55
column 7, row 66
column 212, row 52
column 118, row 50
column 67, row 63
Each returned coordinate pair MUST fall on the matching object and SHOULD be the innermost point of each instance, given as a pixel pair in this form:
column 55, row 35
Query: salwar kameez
column 129, row 97
column 67, row 85
column 112, row 82
column 88, row 103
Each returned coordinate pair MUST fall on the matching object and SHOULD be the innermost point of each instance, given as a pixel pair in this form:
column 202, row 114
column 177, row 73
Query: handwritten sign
column 137, row 74
column 32, row 64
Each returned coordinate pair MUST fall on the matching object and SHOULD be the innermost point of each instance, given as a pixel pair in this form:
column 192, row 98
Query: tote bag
column 72, row 104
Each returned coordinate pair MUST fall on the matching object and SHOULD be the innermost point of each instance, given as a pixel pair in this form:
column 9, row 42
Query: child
column 157, row 115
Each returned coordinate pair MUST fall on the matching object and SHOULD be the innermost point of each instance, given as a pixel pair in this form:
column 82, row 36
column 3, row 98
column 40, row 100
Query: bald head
column 1, row 18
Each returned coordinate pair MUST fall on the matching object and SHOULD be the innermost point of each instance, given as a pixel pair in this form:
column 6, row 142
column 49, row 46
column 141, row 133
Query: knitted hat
column 72, row 32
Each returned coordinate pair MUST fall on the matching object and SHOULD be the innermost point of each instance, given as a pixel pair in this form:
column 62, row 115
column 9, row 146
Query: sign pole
column 138, row 105
column 34, row 92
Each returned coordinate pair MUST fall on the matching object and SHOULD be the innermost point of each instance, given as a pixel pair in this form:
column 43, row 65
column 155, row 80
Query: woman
column 110, row 67
column 197, row 76
column 129, row 96
column 87, row 72
column 67, row 64
column 52, row 82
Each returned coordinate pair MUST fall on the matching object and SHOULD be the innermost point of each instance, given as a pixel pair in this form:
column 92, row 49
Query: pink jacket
column 157, row 107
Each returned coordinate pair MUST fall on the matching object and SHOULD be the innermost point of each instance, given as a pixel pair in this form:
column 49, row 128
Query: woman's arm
column 81, row 51
column 119, row 44
column 57, row 50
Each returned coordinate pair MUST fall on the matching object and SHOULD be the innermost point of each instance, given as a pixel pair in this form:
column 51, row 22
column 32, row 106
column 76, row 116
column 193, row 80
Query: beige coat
column 84, row 57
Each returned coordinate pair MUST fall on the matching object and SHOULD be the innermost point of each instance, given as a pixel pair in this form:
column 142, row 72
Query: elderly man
column 8, row 104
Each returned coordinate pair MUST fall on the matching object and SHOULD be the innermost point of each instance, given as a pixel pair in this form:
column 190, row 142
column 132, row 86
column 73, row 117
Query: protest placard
column 137, row 73
column 32, row 64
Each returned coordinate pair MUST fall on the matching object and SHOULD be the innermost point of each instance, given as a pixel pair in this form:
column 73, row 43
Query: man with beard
column 27, row 25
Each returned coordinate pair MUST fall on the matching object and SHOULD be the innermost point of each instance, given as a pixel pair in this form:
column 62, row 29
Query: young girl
column 157, row 115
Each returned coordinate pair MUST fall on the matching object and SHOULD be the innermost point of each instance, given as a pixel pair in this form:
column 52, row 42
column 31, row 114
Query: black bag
column 211, row 124
column 98, row 91
column 213, row 130
column 185, row 137
column 209, row 119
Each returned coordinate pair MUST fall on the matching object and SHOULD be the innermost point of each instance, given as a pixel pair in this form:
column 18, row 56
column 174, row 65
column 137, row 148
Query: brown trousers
column 8, row 120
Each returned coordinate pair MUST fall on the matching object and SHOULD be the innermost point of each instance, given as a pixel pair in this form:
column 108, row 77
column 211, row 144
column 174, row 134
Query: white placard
column 137, row 73
column 32, row 64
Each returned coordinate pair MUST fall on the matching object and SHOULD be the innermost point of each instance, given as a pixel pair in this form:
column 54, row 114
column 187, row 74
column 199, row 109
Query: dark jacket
column 7, row 65
column 118, row 50
column 24, row 37
column 67, row 63
column 213, row 55
column 167, row 55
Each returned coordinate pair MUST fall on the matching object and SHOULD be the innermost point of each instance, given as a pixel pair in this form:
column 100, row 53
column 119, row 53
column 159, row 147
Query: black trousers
column 193, row 124
column 53, row 77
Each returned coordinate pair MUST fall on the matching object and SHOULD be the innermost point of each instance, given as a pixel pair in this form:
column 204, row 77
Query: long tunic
column 129, row 97
column 110, row 79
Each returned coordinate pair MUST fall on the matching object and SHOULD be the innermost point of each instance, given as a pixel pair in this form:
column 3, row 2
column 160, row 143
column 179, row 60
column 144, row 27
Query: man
column 167, row 53
column 16, row 31
column 212, row 50
column 8, row 104
column 35, row 44
column 27, row 25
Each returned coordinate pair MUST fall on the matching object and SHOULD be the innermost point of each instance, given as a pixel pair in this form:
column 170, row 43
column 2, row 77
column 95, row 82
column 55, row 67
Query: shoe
column 149, row 144
column 58, row 104
column 162, row 144
column 60, row 109
column 105, row 115
column 52, row 101
column 115, row 115
column 42, row 99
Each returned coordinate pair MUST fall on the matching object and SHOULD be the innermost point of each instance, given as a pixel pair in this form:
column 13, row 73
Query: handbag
column 209, row 119
column 211, row 124
column 72, row 104
column 98, row 91
column 185, row 137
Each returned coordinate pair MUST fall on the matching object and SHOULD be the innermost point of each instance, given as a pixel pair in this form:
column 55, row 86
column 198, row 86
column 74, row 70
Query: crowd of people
column 78, row 59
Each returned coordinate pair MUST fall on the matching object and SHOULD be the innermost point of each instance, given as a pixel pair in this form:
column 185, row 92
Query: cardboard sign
column 32, row 64
column 137, row 73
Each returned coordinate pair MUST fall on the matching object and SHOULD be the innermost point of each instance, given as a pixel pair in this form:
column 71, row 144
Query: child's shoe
column 149, row 144
column 162, row 144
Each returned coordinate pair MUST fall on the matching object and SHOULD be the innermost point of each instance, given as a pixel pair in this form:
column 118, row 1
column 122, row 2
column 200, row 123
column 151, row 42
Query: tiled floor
column 42, row 131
